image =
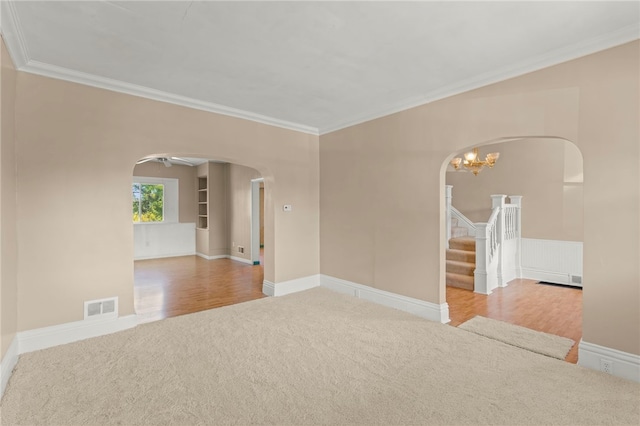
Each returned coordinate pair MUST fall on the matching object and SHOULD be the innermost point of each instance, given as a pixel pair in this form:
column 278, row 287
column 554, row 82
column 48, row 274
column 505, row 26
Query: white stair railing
column 498, row 245
column 498, row 241
column 453, row 213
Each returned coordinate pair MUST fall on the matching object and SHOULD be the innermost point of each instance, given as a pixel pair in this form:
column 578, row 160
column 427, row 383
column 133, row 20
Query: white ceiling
column 310, row 66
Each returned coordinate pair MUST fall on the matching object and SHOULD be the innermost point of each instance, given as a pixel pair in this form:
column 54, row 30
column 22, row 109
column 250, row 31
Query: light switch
column 287, row 207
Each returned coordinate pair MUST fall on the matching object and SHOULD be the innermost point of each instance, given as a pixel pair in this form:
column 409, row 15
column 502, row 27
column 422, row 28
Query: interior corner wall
column 218, row 184
column 8, row 205
column 74, row 217
column 382, row 183
column 186, row 176
column 239, row 209
column 546, row 172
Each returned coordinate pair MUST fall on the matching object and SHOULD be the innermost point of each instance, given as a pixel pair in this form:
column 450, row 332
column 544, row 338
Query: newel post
column 498, row 201
column 481, row 282
column 517, row 200
column 447, row 198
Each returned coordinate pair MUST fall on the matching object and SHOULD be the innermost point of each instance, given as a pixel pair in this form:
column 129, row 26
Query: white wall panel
column 154, row 240
column 552, row 260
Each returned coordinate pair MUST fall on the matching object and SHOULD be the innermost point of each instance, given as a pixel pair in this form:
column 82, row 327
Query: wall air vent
column 576, row 279
column 101, row 308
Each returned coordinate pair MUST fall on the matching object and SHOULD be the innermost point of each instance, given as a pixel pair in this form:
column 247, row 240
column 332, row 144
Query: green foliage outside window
column 148, row 202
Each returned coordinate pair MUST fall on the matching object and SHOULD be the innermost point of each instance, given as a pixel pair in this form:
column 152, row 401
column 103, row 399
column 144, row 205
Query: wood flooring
column 174, row 286
column 180, row 285
column 547, row 308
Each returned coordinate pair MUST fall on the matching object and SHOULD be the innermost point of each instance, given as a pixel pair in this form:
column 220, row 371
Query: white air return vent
column 576, row 279
column 101, row 308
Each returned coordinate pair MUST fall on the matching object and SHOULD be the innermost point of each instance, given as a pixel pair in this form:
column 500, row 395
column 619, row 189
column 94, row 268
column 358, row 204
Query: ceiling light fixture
column 472, row 163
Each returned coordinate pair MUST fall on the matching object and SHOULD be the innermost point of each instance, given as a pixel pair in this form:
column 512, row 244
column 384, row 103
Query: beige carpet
column 315, row 357
column 531, row 340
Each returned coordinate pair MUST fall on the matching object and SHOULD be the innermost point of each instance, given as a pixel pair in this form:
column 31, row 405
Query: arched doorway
column 195, row 251
column 546, row 296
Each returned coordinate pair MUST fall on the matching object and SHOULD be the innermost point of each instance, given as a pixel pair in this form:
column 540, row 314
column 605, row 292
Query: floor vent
column 101, row 308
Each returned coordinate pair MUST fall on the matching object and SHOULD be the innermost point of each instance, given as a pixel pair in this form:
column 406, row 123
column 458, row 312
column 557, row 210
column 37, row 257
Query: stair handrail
column 498, row 245
column 464, row 221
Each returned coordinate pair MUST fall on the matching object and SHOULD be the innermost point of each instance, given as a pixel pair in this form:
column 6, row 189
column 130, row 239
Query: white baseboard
column 204, row 256
column 8, row 362
column 46, row 337
column 623, row 364
column 291, row 286
column 268, row 288
column 421, row 308
column 240, row 259
column 189, row 253
column 540, row 275
column 225, row 256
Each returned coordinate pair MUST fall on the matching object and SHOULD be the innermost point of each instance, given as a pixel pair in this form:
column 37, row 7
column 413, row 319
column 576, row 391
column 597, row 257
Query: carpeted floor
column 532, row 340
column 315, row 357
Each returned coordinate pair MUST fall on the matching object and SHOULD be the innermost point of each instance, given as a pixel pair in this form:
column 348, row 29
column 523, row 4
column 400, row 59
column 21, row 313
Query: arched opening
column 195, row 246
column 538, row 279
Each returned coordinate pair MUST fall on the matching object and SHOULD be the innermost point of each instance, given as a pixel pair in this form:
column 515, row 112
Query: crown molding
column 15, row 41
column 14, row 38
column 554, row 57
column 53, row 71
column 12, row 33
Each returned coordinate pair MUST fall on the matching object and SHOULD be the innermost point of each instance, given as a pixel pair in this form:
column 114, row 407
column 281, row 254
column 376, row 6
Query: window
column 148, row 202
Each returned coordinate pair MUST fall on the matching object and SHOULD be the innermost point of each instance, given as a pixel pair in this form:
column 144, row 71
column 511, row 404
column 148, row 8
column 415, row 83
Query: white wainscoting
column 552, row 260
column 156, row 240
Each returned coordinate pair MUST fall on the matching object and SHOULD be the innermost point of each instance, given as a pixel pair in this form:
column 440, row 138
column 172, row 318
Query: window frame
column 142, row 183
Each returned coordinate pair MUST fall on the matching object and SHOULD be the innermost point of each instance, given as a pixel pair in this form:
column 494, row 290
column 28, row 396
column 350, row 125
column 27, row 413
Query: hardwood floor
column 180, row 285
column 174, row 286
column 551, row 309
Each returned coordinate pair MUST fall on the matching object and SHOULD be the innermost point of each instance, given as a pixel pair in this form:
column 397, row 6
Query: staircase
column 461, row 258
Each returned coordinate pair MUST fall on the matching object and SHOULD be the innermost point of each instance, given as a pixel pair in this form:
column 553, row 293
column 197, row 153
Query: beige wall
column 82, row 256
column 218, row 184
column 186, row 176
column 382, row 183
column 239, row 209
column 8, row 219
column 546, row 172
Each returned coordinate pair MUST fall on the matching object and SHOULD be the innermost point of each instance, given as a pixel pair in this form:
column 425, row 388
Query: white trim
column 46, row 337
column 291, row 286
column 625, row 365
column 8, row 362
column 551, row 58
column 268, row 288
column 18, row 50
column 421, row 308
column 550, row 276
column 551, row 260
column 53, row 71
column 255, row 220
column 296, row 285
column 225, row 256
column 464, row 221
column 204, row 256
column 240, row 259
column 12, row 34
column 162, row 256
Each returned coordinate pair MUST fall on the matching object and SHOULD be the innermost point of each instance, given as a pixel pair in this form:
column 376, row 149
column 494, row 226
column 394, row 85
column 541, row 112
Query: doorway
column 213, row 208
column 548, row 174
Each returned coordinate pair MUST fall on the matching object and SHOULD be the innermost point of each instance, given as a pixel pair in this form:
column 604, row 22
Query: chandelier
column 472, row 163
